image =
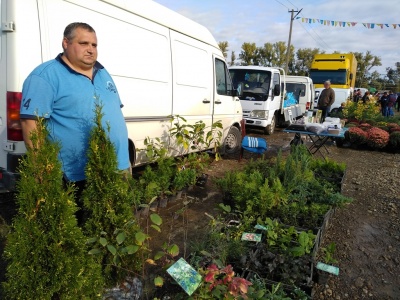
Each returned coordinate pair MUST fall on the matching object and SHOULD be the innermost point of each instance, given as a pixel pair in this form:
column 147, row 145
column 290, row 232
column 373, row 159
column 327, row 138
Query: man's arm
column 27, row 126
column 332, row 98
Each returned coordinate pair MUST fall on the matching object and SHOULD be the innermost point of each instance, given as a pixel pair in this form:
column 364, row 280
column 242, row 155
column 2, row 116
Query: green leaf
column 158, row 281
column 205, row 253
column 225, row 208
column 112, row 249
column 91, row 240
column 103, row 241
column 156, row 227
column 121, row 238
column 304, row 239
column 158, row 255
column 94, row 251
column 173, row 250
column 298, row 251
column 140, row 237
column 156, row 219
column 131, row 249
column 116, row 260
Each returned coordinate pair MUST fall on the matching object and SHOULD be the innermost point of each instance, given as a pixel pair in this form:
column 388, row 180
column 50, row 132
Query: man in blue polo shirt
column 64, row 91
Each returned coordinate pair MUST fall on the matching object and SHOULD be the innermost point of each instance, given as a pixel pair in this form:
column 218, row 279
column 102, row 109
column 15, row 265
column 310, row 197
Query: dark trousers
column 325, row 111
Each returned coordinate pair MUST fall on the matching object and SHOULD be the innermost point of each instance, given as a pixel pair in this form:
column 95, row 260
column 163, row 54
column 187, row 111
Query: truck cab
column 264, row 99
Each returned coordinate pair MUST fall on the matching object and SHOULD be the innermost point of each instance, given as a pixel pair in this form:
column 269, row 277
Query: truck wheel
column 232, row 141
column 270, row 128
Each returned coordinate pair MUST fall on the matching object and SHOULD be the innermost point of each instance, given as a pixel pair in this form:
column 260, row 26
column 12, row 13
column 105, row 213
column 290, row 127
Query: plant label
column 261, row 227
column 252, row 237
column 328, row 268
column 185, row 275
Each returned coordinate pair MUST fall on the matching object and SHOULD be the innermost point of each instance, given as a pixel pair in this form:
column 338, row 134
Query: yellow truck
column 340, row 70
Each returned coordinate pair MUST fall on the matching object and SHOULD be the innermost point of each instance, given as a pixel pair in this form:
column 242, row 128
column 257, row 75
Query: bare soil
column 366, row 232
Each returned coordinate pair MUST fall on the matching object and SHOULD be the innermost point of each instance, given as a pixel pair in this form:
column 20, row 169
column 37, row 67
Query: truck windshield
column 335, row 77
column 256, row 83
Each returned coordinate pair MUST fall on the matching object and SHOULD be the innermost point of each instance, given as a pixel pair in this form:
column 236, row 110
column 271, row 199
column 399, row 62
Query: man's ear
column 64, row 43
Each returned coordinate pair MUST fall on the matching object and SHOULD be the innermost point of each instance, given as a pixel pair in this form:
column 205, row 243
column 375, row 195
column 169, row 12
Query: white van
column 162, row 63
column 303, row 90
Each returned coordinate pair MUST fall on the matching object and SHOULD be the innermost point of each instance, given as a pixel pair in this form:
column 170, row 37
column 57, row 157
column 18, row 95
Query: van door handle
column 218, row 101
column 205, row 100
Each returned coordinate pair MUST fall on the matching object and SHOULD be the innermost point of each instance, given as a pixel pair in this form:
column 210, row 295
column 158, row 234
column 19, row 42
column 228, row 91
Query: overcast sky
column 262, row 21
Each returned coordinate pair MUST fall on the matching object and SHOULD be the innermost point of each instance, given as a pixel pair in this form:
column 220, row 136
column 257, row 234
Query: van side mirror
column 239, row 90
column 277, row 90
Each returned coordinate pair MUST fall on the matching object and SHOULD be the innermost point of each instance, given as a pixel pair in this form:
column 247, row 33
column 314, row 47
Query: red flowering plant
column 221, row 283
column 356, row 135
column 365, row 126
column 377, row 138
column 394, row 129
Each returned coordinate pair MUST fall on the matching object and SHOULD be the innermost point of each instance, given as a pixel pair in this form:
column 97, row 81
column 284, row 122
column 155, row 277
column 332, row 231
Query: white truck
column 163, row 64
column 263, row 97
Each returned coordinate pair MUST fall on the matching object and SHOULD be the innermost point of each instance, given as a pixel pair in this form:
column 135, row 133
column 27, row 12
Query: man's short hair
column 69, row 31
column 327, row 82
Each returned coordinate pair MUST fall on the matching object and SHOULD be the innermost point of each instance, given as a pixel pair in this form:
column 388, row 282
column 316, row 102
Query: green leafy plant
column 46, row 251
column 329, row 252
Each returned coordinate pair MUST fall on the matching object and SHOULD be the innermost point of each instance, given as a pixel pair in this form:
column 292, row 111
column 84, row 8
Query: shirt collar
column 97, row 66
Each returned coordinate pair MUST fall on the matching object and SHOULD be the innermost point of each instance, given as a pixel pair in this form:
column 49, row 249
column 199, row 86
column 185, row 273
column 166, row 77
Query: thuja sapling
column 46, row 251
column 107, row 200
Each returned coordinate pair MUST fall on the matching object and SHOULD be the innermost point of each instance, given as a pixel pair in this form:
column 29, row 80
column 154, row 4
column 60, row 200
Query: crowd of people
column 388, row 101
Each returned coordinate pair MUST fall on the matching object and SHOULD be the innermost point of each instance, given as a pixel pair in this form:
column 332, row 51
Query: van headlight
column 259, row 114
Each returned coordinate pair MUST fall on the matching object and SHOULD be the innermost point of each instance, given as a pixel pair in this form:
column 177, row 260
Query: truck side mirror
column 239, row 89
column 277, row 90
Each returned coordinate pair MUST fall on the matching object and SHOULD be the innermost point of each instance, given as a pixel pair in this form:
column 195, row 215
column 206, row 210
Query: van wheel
column 232, row 141
column 270, row 128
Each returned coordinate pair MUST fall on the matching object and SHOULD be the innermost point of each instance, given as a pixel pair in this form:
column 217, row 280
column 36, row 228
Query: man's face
column 326, row 85
column 81, row 51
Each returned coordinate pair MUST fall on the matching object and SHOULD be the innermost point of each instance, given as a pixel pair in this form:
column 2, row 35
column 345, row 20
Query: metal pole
column 290, row 37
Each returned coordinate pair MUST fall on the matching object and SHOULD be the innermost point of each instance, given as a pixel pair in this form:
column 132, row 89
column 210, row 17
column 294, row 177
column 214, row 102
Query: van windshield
column 256, row 83
column 335, row 77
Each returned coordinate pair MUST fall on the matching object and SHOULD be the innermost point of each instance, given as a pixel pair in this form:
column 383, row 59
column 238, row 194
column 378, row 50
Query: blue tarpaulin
column 290, row 100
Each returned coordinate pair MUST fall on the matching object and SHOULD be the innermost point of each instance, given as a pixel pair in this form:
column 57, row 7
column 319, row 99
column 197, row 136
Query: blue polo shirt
column 67, row 99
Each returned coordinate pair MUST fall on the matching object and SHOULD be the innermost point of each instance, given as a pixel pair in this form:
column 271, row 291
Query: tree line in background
column 274, row 54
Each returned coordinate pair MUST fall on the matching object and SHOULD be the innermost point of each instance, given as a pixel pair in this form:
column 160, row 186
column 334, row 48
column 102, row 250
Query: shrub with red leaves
column 357, row 135
column 365, row 126
column 394, row 129
column 377, row 138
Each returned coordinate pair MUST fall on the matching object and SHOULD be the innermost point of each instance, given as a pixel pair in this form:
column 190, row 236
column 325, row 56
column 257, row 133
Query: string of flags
column 348, row 24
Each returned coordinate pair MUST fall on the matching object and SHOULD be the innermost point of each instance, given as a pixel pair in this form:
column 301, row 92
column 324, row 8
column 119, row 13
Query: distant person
column 366, row 97
column 357, row 95
column 391, row 104
column 326, row 99
column 398, row 102
column 384, row 100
